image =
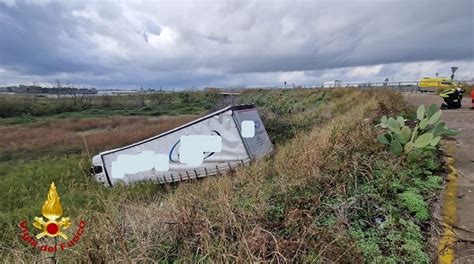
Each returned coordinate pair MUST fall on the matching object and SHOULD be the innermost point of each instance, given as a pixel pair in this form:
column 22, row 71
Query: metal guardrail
column 401, row 86
column 405, row 86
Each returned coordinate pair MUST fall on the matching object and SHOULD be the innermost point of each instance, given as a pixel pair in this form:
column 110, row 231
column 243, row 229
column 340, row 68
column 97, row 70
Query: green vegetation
column 413, row 201
column 392, row 233
column 329, row 193
column 288, row 112
column 18, row 109
column 425, row 134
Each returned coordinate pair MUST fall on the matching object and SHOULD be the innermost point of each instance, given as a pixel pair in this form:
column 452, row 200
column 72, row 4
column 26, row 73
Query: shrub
column 425, row 134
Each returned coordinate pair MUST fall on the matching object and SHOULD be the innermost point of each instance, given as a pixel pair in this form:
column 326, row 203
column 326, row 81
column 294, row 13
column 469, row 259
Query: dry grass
column 68, row 135
column 261, row 213
column 343, row 141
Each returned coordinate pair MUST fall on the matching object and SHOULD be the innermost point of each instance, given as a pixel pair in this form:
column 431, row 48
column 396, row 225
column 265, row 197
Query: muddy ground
column 462, row 120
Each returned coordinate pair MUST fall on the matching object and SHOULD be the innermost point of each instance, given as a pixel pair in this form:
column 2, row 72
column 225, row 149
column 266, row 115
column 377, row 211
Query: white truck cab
column 98, row 170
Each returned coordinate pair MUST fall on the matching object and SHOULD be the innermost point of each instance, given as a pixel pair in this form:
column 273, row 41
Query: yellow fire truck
column 430, row 84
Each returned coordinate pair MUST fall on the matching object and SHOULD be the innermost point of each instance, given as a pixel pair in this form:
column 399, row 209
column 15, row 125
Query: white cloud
column 165, row 41
column 180, row 44
column 364, row 71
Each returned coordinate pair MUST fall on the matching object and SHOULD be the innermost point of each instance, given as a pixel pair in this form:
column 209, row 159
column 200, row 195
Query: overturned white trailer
column 158, row 158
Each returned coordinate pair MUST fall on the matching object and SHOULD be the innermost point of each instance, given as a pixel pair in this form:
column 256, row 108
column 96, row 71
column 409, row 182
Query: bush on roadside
column 425, row 133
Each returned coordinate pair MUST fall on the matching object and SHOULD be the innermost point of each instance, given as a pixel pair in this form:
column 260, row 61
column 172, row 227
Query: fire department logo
column 52, row 224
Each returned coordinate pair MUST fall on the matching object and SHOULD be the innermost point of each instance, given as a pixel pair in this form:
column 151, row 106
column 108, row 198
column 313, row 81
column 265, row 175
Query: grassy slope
column 329, row 193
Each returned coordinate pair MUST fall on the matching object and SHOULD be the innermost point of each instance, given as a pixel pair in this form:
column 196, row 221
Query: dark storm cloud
column 370, row 33
column 174, row 44
column 41, row 40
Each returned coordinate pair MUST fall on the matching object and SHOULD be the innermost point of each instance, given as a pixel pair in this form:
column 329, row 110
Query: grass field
column 17, row 109
column 330, row 192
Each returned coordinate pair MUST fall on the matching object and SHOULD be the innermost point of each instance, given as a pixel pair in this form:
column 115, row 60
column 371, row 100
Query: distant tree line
column 36, row 89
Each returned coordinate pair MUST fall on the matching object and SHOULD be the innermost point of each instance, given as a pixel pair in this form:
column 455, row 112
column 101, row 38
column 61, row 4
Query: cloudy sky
column 181, row 44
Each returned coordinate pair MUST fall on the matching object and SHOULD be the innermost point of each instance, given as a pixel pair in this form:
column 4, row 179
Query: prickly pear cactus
column 427, row 132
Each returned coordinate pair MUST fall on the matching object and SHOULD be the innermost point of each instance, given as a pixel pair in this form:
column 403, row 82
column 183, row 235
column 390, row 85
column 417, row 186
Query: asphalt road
column 462, row 120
